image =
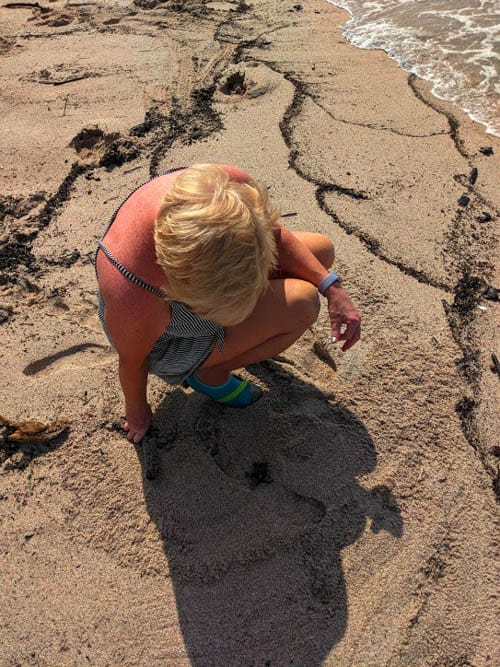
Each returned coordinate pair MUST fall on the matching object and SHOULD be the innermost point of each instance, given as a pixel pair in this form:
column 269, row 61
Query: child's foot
column 235, row 392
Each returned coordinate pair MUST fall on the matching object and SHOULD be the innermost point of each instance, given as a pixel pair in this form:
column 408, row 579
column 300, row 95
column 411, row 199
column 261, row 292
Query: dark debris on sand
column 259, row 474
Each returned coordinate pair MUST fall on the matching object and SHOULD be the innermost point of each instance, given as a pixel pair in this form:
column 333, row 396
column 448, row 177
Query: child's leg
column 283, row 312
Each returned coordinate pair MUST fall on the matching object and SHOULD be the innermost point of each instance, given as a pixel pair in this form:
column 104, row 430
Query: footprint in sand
column 91, row 141
column 106, row 149
column 248, row 81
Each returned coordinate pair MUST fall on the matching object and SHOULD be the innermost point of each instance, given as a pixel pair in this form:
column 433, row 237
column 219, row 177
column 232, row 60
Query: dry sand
column 348, row 519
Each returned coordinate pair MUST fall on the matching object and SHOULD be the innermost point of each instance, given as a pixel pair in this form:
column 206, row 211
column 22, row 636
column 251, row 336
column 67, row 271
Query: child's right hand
column 138, row 423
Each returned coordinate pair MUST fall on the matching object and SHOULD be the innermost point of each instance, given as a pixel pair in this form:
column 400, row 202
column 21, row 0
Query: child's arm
column 134, row 328
column 134, row 379
column 295, row 259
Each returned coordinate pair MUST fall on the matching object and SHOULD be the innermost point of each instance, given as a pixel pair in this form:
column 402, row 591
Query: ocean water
column 454, row 44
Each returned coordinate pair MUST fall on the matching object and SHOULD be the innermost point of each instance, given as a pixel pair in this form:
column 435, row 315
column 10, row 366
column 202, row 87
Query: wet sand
column 346, row 519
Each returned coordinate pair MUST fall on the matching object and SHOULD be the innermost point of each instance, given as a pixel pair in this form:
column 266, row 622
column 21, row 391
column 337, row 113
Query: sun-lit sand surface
column 348, row 518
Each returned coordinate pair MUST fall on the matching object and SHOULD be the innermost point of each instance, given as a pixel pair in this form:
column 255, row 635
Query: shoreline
column 428, row 79
column 369, row 540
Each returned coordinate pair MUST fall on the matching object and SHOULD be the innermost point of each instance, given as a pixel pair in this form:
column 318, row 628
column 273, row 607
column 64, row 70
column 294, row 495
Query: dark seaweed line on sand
column 322, row 188
column 196, row 122
column 163, row 130
column 452, row 120
column 461, row 314
column 14, row 253
column 454, row 126
column 461, row 318
column 371, row 126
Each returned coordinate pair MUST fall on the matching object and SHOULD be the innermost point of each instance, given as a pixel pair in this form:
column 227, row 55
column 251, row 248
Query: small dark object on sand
column 464, row 200
column 298, row 8
column 486, row 150
column 491, row 293
column 260, row 474
column 234, row 84
column 473, row 176
column 484, row 217
column 495, row 364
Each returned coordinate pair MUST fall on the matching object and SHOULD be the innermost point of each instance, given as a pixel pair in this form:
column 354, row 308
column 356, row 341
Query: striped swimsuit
column 187, row 340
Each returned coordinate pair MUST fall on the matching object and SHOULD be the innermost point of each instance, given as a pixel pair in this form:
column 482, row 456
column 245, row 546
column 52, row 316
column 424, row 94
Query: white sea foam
column 454, row 44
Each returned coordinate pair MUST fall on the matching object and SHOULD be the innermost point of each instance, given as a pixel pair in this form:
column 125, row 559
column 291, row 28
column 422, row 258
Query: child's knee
column 326, row 251
column 304, row 304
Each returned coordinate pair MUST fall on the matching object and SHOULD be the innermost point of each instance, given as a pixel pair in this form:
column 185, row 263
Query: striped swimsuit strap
column 128, row 274
column 122, row 269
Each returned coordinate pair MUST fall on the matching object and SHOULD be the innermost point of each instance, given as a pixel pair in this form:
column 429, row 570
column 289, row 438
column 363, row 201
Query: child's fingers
column 351, row 335
column 336, row 331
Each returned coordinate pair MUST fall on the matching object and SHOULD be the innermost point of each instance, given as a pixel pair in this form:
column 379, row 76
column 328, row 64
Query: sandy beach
column 348, row 519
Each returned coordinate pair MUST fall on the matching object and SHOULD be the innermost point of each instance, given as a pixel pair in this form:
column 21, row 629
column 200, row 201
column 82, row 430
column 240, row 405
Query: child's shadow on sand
column 254, row 508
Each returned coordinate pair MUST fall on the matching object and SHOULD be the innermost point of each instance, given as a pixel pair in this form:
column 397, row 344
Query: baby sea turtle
column 484, row 217
column 491, row 293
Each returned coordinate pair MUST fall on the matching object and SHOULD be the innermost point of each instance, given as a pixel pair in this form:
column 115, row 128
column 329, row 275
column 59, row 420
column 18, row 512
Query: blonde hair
column 214, row 241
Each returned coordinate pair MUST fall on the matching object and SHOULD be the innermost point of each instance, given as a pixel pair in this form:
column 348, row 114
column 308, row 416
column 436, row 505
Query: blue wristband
column 327, row 281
